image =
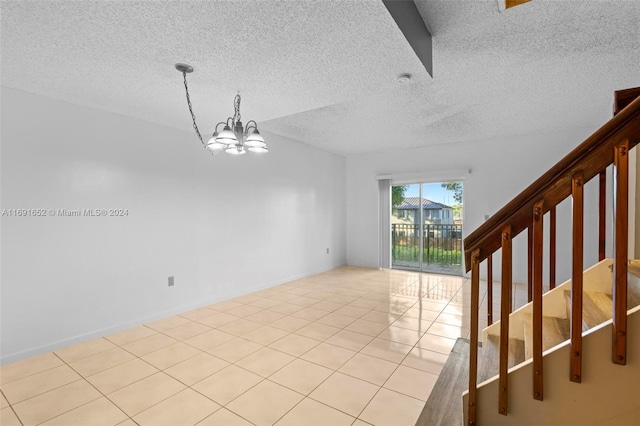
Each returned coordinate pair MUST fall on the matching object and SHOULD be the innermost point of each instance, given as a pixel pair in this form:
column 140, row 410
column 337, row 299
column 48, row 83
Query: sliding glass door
column 426, row 227
column 406, row 245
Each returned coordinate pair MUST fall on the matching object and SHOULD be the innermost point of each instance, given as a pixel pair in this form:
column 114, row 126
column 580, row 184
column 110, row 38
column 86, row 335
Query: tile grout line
column 63, row 361
column 85, row 357
column 293, row 390
column 163, row 372
column 360, row 352
column 371, row 291
column 297, row 357
column 88, row 402
column 172, row 377
column 337, row 370
column 387, row 379
column 159, row 371
column 398, row 366
column 11, row 407
column 235, row 364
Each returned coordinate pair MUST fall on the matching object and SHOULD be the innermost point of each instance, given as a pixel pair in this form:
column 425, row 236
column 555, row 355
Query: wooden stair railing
column 608, row 145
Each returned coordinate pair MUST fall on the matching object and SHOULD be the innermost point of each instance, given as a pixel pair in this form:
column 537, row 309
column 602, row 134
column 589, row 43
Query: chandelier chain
column 193, row 117
column 236, row 103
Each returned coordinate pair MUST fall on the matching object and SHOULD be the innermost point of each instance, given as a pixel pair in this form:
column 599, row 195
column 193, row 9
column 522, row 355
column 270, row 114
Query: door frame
column 385, row 182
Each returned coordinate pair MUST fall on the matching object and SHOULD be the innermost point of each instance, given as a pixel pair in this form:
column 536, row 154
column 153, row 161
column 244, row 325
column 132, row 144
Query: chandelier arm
column 193, row 117
column 216, row 129
column 249, row 125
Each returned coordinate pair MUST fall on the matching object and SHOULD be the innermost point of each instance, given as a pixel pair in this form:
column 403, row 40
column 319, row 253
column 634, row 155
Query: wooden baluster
column 505, row 310
column 602, row 216
column 473, row 344
column 490, row 289
column 577, row 192
column 529, row 263
column 621, row 161
column 552, row 248
column 537, row 231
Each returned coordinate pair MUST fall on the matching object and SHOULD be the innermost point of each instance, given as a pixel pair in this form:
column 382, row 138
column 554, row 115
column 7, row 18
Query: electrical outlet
column 171, row 281
column 327, row 250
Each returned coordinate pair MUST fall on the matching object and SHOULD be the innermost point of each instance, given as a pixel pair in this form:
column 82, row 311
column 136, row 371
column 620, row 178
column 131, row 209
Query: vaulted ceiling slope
column 325, row 72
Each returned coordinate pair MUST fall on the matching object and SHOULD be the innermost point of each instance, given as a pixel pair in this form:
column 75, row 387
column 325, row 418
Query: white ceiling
column 324, row 72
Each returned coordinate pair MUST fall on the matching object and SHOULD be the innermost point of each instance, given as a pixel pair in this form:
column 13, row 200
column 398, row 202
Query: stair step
column 490, row 357
column 596, row 308
column 554, row 331
column 633, row 289
column 633, row 295
column 634, row 267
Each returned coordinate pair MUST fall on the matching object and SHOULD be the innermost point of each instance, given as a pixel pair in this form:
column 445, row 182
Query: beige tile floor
column 352, row 346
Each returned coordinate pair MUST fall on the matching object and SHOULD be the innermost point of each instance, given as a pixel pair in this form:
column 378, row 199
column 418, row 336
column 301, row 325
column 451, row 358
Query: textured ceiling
column 324, row 72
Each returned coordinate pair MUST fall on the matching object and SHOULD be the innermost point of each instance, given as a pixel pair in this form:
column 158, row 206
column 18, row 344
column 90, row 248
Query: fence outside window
column 442, row 245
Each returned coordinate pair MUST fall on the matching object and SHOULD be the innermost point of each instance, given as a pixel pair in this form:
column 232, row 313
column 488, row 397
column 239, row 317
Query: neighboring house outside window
column 433, row 213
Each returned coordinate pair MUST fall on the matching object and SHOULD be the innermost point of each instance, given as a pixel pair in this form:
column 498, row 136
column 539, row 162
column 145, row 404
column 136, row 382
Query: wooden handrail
column 592, row 157
column 608, row 145
column 622, row 98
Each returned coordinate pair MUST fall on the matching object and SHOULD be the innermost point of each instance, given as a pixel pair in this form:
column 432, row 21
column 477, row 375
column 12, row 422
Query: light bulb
column 255, row 139
column 227, row 137
column 235, row 150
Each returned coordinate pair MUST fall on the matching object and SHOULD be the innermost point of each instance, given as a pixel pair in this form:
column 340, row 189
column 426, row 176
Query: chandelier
column 234, row 139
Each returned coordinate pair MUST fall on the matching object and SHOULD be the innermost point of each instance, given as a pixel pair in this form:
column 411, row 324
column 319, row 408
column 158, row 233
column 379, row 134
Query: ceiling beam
column 506, row 4
column 410, row 22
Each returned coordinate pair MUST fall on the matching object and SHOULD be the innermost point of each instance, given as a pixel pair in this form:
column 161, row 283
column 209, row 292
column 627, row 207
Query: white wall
column 221, row 225
column 500, row 169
